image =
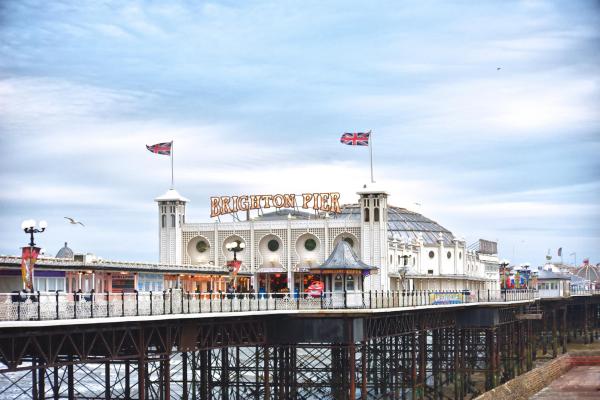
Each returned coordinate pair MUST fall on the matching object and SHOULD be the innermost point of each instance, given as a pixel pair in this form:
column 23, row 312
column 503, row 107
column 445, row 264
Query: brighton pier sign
column 328, row 202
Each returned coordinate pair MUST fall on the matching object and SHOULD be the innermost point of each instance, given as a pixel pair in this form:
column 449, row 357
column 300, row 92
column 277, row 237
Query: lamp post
column 29, row 228
column 235, row 246
column 30, row 252
column 404, row 269
column 503, row 265
column 526, row 272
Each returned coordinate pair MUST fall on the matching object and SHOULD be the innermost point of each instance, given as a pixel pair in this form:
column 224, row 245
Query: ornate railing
column 61, row 305
column 578, row 291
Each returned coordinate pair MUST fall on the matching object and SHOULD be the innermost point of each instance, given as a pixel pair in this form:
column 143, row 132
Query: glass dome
column 402, row 224
column 405, row 225
column 65, row 252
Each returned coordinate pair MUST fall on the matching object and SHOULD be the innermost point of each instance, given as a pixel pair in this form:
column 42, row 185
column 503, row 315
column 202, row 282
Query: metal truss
column 400, row 355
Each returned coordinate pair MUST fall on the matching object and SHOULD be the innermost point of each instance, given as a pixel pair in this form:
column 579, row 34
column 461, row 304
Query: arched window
column 338, row 283
column 164, row 220
column 366, row 214
column 376, row 214
column 349, row 282
column 173, row 222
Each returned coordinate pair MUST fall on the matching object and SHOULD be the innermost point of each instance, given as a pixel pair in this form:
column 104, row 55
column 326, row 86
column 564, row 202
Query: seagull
column 73, row 222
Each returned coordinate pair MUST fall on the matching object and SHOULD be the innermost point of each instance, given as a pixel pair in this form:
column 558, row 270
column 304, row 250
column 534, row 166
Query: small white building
column 551, row 284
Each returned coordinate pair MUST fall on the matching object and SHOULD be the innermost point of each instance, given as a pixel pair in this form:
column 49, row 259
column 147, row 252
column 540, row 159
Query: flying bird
column 498, row 68
column 73, row 222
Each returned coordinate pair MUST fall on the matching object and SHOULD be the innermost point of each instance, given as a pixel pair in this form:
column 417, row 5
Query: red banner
column 234, row 266
column 29, row 257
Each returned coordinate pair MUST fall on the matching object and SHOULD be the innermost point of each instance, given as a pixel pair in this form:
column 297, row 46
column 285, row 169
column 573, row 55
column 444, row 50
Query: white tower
column 171, row 217
column 374, row 215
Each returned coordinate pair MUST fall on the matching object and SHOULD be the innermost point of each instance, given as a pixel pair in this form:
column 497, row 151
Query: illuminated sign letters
column 317, row 201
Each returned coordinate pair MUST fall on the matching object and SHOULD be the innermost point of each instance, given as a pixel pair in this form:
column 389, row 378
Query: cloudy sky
column 255, row 95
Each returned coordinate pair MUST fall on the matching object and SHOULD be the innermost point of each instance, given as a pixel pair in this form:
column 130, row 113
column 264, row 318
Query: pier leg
column 42, row 383
column 34, row 383
column 363, row 380
column 422, row 363
column 55, row 385
column 107, row 380
column 458, row 357
column 530, row 345
column 142, row 366
column 127, row 380
column 522, row 340
column 554, row 335
column 413, row 365
column 589, row 325
column 490, row 378
column 544, row 333
column 225, row 373
column 266, row 379
column 564, row 330
column 70, row 380
column 352, row 372
column 204, row 373
column 184, row 373
column 166, row 370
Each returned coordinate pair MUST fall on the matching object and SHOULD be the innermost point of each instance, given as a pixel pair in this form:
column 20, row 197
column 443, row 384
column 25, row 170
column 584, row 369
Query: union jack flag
column 356, row 138
column 160, row 148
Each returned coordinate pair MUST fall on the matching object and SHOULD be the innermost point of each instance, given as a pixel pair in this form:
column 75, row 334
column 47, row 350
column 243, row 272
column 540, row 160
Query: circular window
column 448, row 254
column 201, row 246
column 431, row 254
column 349, row 241
column 310, row 244
column 273, row 245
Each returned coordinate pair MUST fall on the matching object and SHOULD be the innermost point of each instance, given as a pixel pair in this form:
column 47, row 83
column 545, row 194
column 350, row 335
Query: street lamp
column 404, row 268
column 235, row 246
column 232, row 266
column 503, row 265
column 29, row 227
column 31, row 252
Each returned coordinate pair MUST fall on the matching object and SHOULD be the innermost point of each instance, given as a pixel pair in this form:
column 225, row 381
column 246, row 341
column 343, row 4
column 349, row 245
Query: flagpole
column 172, row 148
column 371, row 153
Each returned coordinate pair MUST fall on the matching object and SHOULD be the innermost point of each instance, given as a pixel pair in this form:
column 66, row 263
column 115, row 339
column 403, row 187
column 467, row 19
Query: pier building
column 281, row 248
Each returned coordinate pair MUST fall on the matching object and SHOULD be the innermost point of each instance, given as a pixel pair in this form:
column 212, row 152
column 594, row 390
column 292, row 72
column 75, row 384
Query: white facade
column 410, row 251
column 171, row 218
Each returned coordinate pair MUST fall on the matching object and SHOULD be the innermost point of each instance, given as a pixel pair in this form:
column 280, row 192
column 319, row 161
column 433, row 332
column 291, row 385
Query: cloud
column 255, row 96
column 29, row 100
column 524, row 104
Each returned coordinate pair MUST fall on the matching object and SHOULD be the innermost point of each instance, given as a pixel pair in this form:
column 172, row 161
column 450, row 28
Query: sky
column 485, row 115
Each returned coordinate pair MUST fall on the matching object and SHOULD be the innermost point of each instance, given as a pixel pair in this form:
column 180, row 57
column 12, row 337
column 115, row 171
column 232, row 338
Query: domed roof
column 65, row 252
column 588, row 272
column 404, row 224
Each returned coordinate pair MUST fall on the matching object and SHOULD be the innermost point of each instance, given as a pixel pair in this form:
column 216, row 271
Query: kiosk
column 343, row 274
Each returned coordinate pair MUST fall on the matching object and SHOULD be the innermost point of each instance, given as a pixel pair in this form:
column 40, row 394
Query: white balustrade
column 53, row 305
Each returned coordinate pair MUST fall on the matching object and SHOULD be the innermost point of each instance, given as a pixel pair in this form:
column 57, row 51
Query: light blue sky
column 255, row 95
